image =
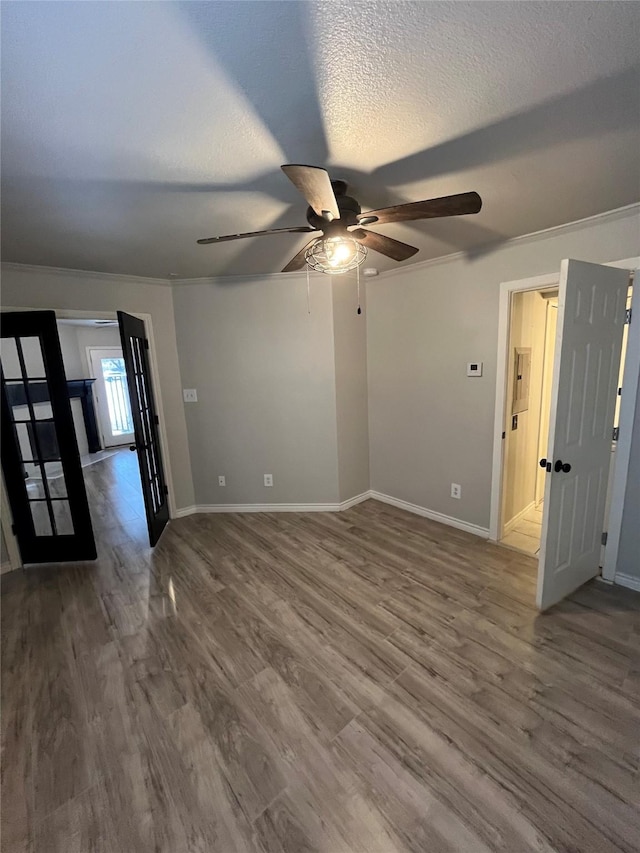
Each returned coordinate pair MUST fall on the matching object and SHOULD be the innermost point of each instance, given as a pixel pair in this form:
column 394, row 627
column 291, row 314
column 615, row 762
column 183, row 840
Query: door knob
column 543, row 463
column 561, row 466
column 132, row 447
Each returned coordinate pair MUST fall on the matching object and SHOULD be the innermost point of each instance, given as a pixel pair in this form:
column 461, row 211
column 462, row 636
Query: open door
column 135, row 347
column 591, row 317
column 40, row 458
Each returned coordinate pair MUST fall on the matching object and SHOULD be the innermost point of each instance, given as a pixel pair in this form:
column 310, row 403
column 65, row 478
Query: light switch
column 190, row 395
column 474, row 368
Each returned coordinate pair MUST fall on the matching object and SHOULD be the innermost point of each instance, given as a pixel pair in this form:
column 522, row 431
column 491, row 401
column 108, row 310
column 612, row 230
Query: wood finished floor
column 365, row 681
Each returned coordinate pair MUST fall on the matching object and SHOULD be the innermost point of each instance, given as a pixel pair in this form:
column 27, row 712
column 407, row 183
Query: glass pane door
column 39, row 449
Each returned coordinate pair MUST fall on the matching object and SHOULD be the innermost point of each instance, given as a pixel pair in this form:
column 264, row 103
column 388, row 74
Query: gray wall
column 264, row 372
column 629, row 547
column 430, row 425
column 350, row 347
column 30, row 287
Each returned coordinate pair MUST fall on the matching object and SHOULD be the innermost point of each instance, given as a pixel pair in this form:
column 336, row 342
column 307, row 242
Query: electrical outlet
column 222, row 480
column 456, row 490
column 189, row 395
column 268, row 479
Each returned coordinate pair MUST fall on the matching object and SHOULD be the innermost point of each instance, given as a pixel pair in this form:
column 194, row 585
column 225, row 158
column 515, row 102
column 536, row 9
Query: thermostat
column 474, row 368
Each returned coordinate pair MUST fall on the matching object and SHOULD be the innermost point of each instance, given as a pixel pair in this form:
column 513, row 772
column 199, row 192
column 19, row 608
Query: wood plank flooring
column 364, row 681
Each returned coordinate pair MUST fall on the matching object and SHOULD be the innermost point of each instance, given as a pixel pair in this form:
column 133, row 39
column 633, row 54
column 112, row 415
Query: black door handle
column 543, row 463
column 132, row 447
column 561, row 466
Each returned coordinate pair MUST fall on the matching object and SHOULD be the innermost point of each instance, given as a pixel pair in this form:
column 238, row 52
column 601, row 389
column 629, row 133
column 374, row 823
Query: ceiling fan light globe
column 335, row 255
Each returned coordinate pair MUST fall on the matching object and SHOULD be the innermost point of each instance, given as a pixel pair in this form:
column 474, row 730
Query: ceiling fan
column 342, row 243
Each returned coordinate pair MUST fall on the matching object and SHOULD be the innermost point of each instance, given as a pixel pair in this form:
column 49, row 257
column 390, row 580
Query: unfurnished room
column 320, row 429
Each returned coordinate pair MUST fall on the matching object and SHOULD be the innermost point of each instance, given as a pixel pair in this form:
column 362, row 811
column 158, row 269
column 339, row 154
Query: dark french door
column 135, row 349
column 40, row 456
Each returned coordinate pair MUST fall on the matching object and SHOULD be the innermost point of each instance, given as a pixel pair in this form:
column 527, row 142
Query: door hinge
column 166, row 490
column 504, row 435
column 616, row 433
column 627, row 316
column 156, row 420
column 605, row 536
column 146, row 344
column 619, row 392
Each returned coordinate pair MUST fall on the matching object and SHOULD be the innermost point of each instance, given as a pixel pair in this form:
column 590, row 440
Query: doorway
column 570, row 428
column 127, row 493
column 92, row 355
column 532, row 343
column 532, row 334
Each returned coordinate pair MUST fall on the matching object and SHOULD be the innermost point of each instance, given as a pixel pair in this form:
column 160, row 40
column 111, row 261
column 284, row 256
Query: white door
column 591, row 316
column 112, row 396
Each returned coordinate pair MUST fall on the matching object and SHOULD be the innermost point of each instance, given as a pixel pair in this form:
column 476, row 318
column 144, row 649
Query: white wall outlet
column 222, row 480
column 268, row 479
column 456, row 490
column 190, row 395
column 474, row 368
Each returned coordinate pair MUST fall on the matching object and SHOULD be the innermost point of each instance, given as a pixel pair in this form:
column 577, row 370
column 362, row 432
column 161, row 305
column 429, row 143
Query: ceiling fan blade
column 315, row 185
column 448, row 205
column 298, row 262
column 383, row 244
column 303, row 229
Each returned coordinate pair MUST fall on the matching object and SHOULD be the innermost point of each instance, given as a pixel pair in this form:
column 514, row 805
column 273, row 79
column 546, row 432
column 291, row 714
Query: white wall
column 34, row 287
column 68, row 336
column 264, row 372
column 430, row 425
column 74, row 341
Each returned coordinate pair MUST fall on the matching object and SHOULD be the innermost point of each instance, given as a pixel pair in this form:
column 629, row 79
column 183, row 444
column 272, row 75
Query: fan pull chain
column 308, row 294
column 358, row 280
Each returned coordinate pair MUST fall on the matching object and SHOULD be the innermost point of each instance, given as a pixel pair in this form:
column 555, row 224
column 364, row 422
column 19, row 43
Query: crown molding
column 616, row 213
column 84, row 274
column 236, row 279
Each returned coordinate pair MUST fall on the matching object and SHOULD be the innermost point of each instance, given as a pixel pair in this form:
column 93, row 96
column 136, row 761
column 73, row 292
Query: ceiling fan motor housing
column 348, row 207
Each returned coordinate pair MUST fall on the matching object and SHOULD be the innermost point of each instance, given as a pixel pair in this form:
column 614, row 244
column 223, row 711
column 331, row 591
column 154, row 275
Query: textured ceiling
column 131, row 129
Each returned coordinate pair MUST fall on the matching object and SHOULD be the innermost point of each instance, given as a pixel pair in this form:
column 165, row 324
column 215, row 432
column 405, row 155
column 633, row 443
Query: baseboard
column 449, row 520
column 5, row 567
column 483, row 532
column 358, row 499
column 629, row 581
column 335, row 507
column 185, row 510
column 509, row 525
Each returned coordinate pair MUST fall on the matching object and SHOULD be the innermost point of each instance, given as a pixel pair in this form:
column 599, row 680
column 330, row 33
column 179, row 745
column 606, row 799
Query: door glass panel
column 42, row 411
column 32, row 355
column 44, row 441
column 62, row 515
column 117, row 393
column 10, row 362
column 41, row 518
column 51, row 477
column 26, row 453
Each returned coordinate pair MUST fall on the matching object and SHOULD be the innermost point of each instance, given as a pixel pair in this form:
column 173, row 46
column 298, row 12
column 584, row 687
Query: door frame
column 507, row 288
column 70, row 314
column 623, row 447
column 627, row 405
column 10, row 539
